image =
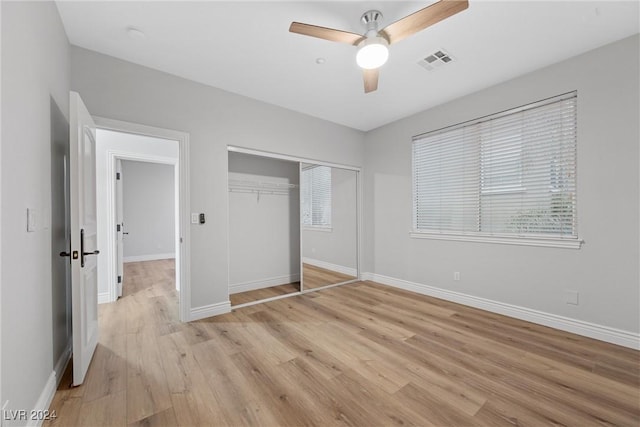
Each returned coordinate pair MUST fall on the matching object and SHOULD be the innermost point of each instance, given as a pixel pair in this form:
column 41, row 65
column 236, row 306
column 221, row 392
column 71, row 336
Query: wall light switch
column 31, row 220
column 194, row 218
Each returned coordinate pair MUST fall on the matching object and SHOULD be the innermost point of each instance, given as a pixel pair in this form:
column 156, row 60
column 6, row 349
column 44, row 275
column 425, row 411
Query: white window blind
column 512, row 174
column 315, row 194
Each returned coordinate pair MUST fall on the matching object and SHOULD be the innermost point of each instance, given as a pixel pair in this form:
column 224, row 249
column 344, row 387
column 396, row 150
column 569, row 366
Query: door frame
column 183, row 257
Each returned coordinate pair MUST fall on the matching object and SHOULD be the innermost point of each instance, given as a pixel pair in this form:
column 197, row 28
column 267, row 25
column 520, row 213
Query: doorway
column 141, row 152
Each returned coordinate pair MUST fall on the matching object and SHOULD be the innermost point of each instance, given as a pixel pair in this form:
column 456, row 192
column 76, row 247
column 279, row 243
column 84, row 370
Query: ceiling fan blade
column 370, row 80
column 422, row 19
column 325, row 33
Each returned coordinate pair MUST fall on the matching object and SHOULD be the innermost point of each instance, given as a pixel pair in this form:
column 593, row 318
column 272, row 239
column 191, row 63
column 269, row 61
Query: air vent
column 435, row 60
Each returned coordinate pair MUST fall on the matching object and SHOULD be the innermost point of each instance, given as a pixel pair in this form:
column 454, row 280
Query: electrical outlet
column 456, row 276
column 571, row 297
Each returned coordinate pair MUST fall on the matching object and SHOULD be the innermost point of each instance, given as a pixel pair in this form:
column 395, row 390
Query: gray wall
column 35, row 98
column 604, row 272
column 264, row 232
column 214, row 119
column 148, row 210
column 339, row 246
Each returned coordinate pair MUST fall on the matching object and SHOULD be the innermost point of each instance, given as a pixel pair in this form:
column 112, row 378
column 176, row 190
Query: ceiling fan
column 373, row 49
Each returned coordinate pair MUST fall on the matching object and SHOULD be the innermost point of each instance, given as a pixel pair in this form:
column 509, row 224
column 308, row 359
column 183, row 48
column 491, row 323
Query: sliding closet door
column 329, row 225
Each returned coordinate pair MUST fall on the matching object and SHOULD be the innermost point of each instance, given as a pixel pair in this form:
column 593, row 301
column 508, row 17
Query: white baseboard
column 579, row 327
column 152, row 257
column 62, row 362
column 49, row 390
column 210, row 310
column 44, row 400
column 329, row 266
column 104, row 297
column 263, row 283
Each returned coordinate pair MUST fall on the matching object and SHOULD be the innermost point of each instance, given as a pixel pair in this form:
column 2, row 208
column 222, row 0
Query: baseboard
column 49, row 390
column 579, row 327
column 263, row 283
column 104, row 297
column 152, row 257
column 44, row 401
column 210, row 310
column 62, row 362
column 329, row 266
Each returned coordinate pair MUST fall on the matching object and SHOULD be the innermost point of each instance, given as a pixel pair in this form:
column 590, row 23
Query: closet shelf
column 263, row 187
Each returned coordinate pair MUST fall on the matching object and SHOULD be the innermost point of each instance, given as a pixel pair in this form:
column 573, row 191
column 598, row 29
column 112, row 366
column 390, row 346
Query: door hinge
column 119, row 279
column 117, row 175
column 117, row 227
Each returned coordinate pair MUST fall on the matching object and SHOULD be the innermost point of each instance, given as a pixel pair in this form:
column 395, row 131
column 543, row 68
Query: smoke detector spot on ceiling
column 435, row 60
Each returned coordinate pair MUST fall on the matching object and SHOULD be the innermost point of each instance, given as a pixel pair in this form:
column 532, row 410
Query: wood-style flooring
column 264, row 293
column 313, row 278
column 361, row 354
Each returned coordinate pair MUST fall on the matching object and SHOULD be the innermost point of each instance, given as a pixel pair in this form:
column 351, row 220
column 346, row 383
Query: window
column 509, row 177
column 315, row 194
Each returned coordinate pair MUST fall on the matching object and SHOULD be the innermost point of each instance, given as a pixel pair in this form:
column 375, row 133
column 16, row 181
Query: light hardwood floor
column 313, row 277
column 361, row 354
column 264, row 293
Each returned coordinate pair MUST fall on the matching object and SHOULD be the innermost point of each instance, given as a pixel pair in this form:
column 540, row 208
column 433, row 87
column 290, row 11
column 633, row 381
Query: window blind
column 315, row 194
column 509, row 174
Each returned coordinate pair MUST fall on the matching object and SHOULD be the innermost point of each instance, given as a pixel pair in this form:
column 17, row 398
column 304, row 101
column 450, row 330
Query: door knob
column 65, row 253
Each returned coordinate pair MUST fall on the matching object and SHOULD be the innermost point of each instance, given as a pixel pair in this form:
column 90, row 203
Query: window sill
column 549, row 242
column 318, row 228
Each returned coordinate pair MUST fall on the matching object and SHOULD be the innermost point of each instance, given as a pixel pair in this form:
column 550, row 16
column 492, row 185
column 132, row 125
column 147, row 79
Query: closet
column 293, row 226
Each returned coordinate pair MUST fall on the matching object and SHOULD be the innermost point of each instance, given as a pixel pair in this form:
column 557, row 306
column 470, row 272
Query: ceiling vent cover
column 436, row 60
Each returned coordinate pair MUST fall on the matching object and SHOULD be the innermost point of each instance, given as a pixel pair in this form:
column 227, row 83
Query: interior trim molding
column 62, row 362
column 210, row 310
column 44, row 400
column 579, row 327
column 152, row 257
column 329, row 266
column 263, row 283
column 104, row 297
column 503, row 240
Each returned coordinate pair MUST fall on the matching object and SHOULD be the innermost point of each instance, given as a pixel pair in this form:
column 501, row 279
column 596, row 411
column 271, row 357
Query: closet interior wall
column 264, row 222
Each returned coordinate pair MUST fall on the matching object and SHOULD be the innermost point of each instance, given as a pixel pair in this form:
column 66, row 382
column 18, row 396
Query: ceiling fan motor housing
column 371, row 20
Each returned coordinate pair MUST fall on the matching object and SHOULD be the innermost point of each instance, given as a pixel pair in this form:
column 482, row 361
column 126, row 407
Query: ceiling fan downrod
column 371, row 20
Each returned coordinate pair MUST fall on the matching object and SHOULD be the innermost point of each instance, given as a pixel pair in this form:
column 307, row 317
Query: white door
column 84, row 266
column 119, row 228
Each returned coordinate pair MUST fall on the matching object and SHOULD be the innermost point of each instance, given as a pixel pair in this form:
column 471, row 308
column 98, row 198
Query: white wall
column 125, row 146
column 214, row 119
column 148, row 211
column 338, row 246
column 604, row 272
column 35, row 79
column 264, row 231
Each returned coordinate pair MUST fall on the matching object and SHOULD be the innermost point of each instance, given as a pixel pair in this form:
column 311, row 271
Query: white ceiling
column 245, row 48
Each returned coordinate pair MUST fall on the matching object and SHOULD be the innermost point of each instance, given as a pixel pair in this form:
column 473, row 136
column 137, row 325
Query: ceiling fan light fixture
column 373, row 52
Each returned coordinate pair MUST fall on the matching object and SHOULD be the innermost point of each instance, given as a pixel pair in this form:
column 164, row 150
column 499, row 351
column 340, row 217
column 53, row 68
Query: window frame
column 524, row 239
